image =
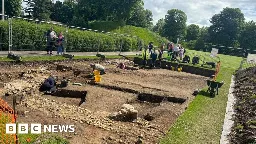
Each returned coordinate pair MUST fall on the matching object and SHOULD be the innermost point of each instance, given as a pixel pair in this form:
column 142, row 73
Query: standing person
column 176, row 51
column 60, row 44
column 153, row 58
column 172, row 47
column 51, row 36
column 181, row 53
column 161, row 52
column 150, row 47
column 160, row 55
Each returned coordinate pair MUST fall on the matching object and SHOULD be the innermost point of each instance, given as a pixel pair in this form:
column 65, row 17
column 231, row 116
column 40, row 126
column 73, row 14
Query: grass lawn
column 46, row 138
column 51, row 58
column 202, row 122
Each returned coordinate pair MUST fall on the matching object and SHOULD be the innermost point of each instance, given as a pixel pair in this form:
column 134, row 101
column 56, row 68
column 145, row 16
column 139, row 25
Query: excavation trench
column 143, row 96
column 66, row 93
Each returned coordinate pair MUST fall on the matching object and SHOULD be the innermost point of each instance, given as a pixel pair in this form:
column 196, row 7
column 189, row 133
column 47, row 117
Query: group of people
column 173, row 51
column 54, row 41
column 178, row 51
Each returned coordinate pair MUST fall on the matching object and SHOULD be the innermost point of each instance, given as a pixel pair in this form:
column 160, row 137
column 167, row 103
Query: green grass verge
column 202, row 121
column 45, row 138
column 143, row 33
column 51, row 58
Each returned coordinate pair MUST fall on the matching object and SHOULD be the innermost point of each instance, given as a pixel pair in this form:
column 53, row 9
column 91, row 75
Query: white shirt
column 99, row 67
column 53, row 34
column 176, row 49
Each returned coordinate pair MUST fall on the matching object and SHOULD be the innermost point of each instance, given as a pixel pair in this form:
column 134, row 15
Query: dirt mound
column 244, row 129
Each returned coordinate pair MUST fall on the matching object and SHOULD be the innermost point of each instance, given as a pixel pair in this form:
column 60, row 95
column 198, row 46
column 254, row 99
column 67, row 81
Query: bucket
column 179, row 69
column 96, row 72
column 97, row 78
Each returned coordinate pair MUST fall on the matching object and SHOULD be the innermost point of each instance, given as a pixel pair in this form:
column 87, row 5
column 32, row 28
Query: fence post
column 66, row 39
column 10, row 34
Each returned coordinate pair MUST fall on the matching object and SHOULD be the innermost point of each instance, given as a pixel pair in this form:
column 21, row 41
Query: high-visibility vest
column 143, row 54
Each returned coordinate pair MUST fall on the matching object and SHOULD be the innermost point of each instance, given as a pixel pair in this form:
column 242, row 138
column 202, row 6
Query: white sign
column 251, row 58
column 214, row 52
column 37, row 128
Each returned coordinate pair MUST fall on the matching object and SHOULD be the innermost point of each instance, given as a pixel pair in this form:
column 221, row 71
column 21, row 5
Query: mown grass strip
column 53, row 58
column 202, row 121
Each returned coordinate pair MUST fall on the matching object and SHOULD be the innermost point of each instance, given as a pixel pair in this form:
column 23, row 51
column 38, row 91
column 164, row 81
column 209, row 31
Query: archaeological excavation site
column 126, row 106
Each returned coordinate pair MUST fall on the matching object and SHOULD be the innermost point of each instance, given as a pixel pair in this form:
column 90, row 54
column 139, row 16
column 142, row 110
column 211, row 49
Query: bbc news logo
column 37, row 128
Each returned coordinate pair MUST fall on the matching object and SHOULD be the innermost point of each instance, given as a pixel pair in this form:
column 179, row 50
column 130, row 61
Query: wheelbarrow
column 214, row 87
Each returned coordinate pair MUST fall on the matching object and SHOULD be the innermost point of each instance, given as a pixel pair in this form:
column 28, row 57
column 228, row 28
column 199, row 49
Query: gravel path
column 228, row 122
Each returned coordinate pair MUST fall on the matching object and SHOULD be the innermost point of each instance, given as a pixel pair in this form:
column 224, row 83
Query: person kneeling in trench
column 99, row 68
column 49, row 85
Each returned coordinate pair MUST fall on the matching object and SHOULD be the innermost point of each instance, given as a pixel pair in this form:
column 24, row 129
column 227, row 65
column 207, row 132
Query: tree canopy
column 175, row 24
column 248, row 35
column 192, row 32
column 226, row 26
column 12, row 7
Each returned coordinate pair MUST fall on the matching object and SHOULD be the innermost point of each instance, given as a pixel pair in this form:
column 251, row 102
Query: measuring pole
column 3, row 10
column 10, row 34
column 66, row 39
column 121, row 46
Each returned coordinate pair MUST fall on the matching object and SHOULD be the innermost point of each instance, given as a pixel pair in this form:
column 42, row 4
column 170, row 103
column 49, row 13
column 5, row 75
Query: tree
column 57, row 11
column 121, row 9
column 226, row 26
column 175, row 24
column 12, row 7
column 140, row 17
column 42, row 9
column 203, row 38
column 248, row 35
column 63, row 12
column 192, row 32
column 158, row 28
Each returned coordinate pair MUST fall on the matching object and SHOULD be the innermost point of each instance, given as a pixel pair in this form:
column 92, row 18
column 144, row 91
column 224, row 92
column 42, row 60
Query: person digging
column 99, row 68
column 49, row 85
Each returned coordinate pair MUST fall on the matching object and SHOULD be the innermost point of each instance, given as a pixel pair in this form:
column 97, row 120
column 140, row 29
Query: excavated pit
column 159, row 96
column 158, row 99
column 143, row 96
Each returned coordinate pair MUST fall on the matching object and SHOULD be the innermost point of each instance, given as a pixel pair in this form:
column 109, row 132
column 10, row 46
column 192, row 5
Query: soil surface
column 244, row 129
column 153, row 93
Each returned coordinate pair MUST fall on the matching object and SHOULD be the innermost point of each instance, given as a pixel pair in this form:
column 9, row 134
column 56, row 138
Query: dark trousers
column 50, row 47
column 47, row 87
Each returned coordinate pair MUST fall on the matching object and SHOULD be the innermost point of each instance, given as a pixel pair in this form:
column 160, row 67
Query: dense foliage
column 175, row 24
column 12, row 7
column 226, row 26
column 31, row 36
column 82, row 12
column 144, row 34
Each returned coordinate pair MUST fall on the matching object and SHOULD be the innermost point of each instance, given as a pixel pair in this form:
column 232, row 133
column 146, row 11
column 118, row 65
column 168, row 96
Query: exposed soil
column 244, row 129
column 160, row 96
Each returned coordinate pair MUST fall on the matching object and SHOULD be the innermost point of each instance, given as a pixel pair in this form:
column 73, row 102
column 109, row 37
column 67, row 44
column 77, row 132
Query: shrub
column 30, row 36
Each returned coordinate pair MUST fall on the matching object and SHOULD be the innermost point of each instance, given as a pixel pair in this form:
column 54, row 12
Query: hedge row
column 30, row 36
